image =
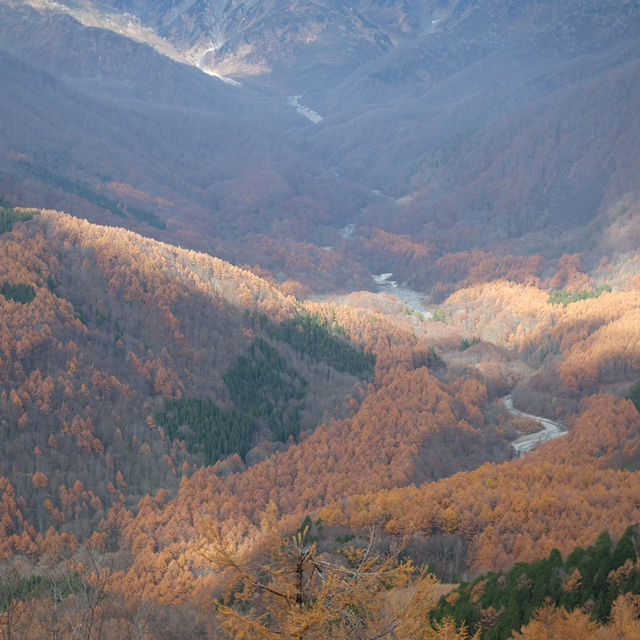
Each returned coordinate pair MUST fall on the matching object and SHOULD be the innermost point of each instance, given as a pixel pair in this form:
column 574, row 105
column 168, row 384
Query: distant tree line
column 465, row 343
column 9, row 216
column 564, row 297
column 311, row 335
column 23, row 293
column 205, row 429
column 264, row 391
column 86, row 192
column 634, row 394
column 17, row 588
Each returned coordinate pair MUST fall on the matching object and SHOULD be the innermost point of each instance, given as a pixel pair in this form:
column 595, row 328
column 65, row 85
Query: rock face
column 246, row 39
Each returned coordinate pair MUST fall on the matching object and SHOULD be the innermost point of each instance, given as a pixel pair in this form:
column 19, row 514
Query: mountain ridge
column 468, row 134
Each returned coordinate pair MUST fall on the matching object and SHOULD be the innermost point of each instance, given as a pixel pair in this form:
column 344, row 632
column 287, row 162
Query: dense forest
column 338, row 333
column 589, row 580
column 178, row 432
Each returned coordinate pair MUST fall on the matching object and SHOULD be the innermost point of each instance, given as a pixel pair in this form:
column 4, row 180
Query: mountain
column 467, row 125
column 121, row 352
column 84, row 126
column 323, row 270
column 148, row 390
column 247, row 39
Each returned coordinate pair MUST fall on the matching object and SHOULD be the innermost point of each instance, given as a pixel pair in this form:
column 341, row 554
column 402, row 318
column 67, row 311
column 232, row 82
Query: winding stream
column 530, row 441
column 521, row 445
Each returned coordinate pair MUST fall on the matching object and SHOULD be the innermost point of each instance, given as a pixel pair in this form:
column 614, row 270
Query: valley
column 305, row 311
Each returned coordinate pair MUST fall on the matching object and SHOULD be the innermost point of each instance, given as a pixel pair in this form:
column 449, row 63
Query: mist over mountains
column 462, row 124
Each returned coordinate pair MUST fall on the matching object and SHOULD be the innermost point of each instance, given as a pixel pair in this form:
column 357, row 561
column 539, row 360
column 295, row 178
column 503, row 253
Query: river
column 521, row 445
column 530, row 441
column 413, row 299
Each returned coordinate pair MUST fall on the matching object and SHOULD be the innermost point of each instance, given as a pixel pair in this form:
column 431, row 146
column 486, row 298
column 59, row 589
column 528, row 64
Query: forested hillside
column 127, row 363
column 286, row 300
column 150, row 393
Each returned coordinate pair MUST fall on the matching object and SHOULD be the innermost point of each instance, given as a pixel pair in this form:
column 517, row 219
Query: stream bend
column 530, row 441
